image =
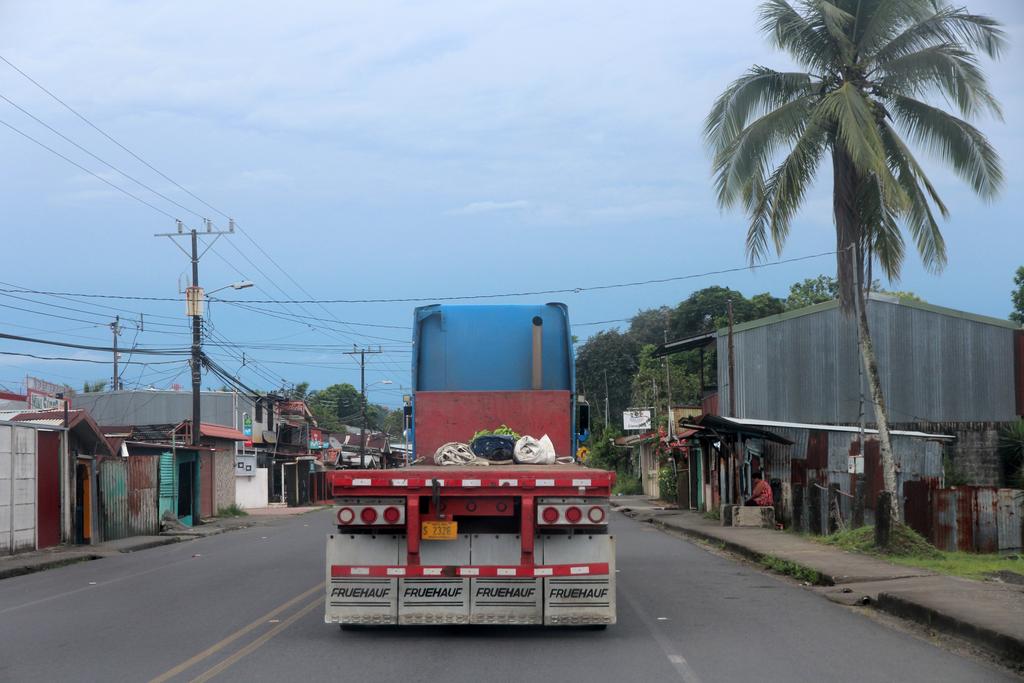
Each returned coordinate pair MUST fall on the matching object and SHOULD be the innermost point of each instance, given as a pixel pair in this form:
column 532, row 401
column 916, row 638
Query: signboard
column 245, row 465
column 39, row 401
column 316, row 440
column 636, row 418
column 246, row 425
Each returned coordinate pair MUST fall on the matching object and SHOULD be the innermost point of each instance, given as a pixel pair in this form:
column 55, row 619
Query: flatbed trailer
column 540, row 554
column 464, row 544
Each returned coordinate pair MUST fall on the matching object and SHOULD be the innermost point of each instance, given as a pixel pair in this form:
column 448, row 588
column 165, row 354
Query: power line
column 83, row 360
column 93, row 174
column 105, row 134
column 108, row 349
column 98, row 158
column 498, row 295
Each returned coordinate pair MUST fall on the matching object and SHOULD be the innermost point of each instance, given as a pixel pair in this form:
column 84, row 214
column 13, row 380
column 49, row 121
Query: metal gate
column 128, row 497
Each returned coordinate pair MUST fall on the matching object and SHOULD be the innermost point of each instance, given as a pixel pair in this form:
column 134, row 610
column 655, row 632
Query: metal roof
column 686, row 344
column 836, row 428
column 873, row 296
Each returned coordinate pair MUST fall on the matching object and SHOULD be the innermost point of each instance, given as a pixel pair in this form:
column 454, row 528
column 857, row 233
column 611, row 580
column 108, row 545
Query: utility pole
column 668, row 390
column 607, row 415
column 116, row 329
column 194, row 309
column 362, row 398
column 732, row 368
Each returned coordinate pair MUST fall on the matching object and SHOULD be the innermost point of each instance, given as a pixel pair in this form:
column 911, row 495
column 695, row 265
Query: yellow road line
column 217, row 647
column 256, row 644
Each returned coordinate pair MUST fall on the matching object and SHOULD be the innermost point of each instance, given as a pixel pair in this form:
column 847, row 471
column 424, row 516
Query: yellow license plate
column 439, row 531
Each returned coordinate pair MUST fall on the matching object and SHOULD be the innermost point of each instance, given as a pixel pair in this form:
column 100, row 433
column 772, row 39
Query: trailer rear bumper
column 476, row 579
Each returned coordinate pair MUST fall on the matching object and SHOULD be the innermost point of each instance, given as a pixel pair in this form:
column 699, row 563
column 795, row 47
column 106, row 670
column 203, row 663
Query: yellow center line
column 256, row 644
column 217, row 647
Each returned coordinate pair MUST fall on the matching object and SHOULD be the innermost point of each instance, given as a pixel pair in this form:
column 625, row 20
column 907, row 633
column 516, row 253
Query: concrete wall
column 224, row 478
column 251, row 492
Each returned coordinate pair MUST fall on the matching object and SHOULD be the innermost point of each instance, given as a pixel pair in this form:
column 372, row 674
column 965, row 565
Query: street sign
column 636, row 418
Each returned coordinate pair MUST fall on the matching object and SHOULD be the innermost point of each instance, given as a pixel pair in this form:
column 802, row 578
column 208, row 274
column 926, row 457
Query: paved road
column 246, row 606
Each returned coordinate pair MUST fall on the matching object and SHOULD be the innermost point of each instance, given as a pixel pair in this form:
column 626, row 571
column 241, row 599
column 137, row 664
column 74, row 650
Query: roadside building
column 87, row 447
column 217, row 466
column 942, row 372
column 35, row 486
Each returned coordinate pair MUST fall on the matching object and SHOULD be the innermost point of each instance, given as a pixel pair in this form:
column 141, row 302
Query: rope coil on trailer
column 455, row 453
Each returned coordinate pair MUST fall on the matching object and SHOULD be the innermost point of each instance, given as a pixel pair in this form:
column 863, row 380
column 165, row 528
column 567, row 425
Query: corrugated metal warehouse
column 941, row 371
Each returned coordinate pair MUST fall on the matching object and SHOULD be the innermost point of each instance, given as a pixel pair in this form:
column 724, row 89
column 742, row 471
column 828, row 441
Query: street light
column 244, row 284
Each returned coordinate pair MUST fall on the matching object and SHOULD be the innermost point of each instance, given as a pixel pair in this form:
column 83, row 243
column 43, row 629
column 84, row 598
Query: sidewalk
column 60, row 555
column 989, row 614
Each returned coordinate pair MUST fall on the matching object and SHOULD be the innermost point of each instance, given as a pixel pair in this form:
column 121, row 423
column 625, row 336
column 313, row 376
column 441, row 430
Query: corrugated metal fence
column 981, row 519
column 128, row 497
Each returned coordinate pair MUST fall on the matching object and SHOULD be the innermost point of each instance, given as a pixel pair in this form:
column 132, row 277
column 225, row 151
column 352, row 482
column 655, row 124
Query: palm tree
column 870, row 67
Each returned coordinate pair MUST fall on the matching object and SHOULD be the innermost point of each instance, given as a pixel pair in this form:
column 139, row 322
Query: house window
column 259, row 410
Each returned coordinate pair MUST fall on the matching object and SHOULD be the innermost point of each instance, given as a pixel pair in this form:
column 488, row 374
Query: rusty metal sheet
column 1010, row 520
column 944, row 527
column 917, row 505
column 817, row 450
column 128, row 497
column 984, row 512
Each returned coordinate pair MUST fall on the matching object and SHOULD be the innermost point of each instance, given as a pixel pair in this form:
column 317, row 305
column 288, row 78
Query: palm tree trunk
column 867, row 354
column 851, row 241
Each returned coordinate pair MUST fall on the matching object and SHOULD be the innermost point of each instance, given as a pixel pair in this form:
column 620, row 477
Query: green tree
column 609, row 359
column 870, row 66
column 812, row 291
column 335, row 406
column 94, row 387
column 1017, row 297
column 649, row 326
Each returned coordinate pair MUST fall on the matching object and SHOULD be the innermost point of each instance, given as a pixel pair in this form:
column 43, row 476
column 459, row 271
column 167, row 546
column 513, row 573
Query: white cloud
column 489, row 207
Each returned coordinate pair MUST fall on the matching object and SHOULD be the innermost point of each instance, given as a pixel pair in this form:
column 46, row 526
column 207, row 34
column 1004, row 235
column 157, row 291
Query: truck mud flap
column 361, row 599
column 440, row 600
column 503, row 600
column 579, row 600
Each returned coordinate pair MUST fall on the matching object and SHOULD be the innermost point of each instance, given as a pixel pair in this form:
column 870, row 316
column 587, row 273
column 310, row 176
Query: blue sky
column 380, row 150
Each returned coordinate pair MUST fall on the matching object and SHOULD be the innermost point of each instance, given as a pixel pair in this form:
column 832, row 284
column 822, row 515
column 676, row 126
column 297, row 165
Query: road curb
column 999, row 644
column 22, row 570
column 739, row 549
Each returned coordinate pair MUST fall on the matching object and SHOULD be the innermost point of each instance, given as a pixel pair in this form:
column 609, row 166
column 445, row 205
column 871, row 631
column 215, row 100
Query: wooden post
column 833, row 508
column 883, row 519
column 814, row 510
column 858, row 501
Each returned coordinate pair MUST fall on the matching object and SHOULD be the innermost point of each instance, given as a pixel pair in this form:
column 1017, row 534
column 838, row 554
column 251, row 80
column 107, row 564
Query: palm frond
column 772, row 208
column 880, row 227
column 945, row 67
column 759, row 90
column 879, row 21
column 854, row 120
column 947, row 25
column 747, row 156
column 931, row 246
column 839, row 24
column 957, row 142
column 808, row 42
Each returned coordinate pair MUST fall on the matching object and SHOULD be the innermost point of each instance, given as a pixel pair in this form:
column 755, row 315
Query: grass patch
column 912, row 550
column 716, row 515
column 232, row 511
column 798, row 572
column 626, row 485
column 904, row 542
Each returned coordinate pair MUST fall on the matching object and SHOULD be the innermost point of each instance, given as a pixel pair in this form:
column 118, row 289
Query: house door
column 206, row 485
column 695, row 477
column 48, row 489
column 83, row 503
column 186, row 490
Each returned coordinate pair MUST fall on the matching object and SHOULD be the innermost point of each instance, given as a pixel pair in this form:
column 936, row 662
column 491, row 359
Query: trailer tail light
column 370, row 512
column 571, row 512
column 550, row 515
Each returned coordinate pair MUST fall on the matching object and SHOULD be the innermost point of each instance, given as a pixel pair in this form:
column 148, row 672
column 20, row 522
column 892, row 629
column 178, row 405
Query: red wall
column 48, row 488
column 443, row 416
